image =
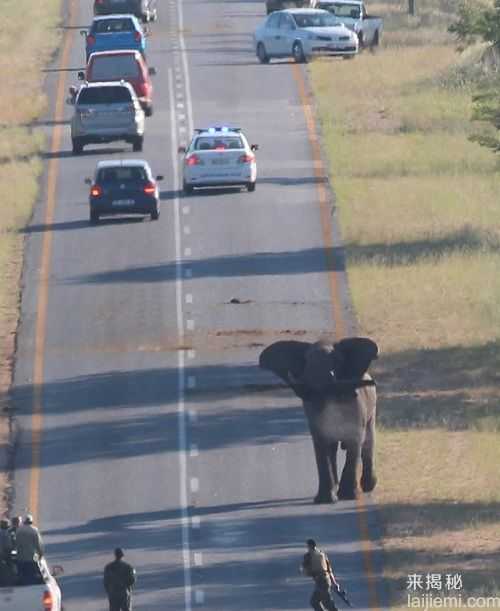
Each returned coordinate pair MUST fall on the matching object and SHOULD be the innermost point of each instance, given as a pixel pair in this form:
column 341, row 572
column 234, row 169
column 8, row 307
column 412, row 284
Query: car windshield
column 122, row 174
column 351, row 11
column 218, row 143
column 105, row 95
column 106, row 26
column 314, row 20
column 11, row 575
column 114, row 67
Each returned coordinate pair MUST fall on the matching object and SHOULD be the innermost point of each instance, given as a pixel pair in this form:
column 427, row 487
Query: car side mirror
column 81, row 76
column 57, row 570
column 87, row 181
column 160, row 177
column 254, row 147
column 181, row 149
column 152, row 71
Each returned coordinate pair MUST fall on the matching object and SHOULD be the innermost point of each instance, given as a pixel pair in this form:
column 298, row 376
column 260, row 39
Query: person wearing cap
column 29, row 548
column 317, row 565
column 5, row 541
column 119, row 579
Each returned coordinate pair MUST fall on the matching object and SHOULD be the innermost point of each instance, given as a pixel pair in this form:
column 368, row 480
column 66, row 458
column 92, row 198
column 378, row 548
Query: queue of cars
column 116, row 95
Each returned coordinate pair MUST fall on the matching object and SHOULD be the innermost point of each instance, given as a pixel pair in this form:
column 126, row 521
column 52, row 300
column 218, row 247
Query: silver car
column 106, row 112
column 302, row 34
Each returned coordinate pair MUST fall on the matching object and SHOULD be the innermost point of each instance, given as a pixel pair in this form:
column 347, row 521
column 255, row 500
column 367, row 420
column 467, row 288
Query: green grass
column 419, row 208
column 26, row 45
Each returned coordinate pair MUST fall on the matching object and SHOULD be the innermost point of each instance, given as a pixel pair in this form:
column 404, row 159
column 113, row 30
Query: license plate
column 220, row 161
column 123, row 202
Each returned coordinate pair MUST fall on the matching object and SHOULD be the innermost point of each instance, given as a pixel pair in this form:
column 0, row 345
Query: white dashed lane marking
column 191, row 354
column 189, row 298
column 187, row 230
column 194, row 484
column 196, row 521
column 186, row 210
column 191, row 382
column 187, row 252
column 190, row 325
column 198, row 559
column 199, row 597
column 188, row 272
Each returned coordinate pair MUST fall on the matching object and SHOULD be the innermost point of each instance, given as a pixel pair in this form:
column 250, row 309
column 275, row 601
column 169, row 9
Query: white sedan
column 302, row 34
column 219, row 156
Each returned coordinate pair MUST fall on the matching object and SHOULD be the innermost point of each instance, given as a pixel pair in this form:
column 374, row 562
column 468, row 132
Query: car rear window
column 122, row 174
column 352, row 11
column 114, row 67
column 105, row 95
column 106, row 26
column 208, row 143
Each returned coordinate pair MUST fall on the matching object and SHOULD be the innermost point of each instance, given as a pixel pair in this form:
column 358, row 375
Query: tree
column 487, row 109
column 477, row 20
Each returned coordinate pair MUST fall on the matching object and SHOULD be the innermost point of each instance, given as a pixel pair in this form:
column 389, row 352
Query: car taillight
column 149, row 188
column 90, row 40
column 48, row 601
column 95, row 191
column 138, row 37
column 246, row 158
column 193, row 160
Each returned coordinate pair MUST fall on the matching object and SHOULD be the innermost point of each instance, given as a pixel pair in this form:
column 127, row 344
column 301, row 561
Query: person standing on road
column 119, row 579
column 317, row 565
column 5, row 541
column 16, row 523
column 29, row 548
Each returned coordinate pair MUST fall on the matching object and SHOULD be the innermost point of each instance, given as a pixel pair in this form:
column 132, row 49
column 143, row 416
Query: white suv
column 106, row 112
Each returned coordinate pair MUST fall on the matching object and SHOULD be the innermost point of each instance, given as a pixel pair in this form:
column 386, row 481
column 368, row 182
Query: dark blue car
column 124, row 187
column 114, row 32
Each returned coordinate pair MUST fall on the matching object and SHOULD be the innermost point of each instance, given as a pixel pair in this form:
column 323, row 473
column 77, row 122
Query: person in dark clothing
column 317, row 565
column 119, row 579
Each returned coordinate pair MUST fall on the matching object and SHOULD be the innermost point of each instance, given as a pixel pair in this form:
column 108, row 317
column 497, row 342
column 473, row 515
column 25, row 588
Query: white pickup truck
column 35, row 590
column 353, row 14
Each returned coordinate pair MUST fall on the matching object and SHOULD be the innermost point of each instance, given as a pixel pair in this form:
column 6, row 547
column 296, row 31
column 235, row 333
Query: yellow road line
column 43, row 279
column 335, row 294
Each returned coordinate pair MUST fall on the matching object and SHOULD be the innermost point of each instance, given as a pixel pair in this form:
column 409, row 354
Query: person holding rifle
column 317, row 565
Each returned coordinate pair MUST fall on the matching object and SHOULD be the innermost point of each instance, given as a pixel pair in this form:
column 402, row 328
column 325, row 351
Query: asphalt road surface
column 143, row 419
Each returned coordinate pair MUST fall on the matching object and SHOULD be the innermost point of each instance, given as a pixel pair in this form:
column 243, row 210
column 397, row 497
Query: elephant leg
column 348, row 488
column 325, row 489
column 333, row 460
column 368, row 476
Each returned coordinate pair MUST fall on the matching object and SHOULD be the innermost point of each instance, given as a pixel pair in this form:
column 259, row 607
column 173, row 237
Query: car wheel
column 298, row 53
column 148, row 111
column 376, row 39
column 251, row 186
column 77, row 146
column 188, row 189
column 155, row 215
column 347, row 56
column 94, row 217
column 262, row 53
column 137, row 144
column 361, row 42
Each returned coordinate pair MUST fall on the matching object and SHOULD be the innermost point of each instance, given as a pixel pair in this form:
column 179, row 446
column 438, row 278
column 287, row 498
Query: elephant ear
column 284, row 358
column 355, row 355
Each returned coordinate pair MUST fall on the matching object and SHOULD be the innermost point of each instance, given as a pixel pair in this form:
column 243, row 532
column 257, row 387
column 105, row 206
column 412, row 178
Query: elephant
column 339, row 399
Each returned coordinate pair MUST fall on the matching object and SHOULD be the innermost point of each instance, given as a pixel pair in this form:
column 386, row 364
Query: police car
column 219, row 156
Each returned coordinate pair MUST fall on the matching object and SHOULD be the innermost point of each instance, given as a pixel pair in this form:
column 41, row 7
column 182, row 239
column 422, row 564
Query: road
column 143, row 420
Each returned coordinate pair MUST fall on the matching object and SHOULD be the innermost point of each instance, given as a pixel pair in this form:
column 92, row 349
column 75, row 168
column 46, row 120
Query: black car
column 142, row 9
column 123, row 187
column 278, row 5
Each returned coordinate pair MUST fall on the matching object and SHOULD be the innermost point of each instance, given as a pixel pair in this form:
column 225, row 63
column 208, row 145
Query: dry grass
column 418, row 204
column 26, row 45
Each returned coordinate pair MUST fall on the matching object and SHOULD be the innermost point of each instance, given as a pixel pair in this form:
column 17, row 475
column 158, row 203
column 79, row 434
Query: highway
column 142, row 418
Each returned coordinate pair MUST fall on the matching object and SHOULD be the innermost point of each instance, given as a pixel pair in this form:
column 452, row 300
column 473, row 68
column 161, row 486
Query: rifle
column 341, row 594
